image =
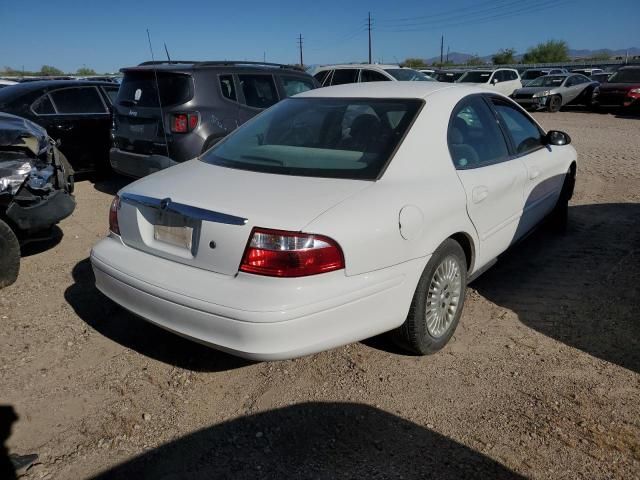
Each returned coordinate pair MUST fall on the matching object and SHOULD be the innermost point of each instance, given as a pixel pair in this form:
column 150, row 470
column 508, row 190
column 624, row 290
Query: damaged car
column 552, row 92
column 36, row 189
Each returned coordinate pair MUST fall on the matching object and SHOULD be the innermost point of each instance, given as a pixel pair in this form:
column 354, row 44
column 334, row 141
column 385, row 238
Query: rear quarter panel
column 420, row 179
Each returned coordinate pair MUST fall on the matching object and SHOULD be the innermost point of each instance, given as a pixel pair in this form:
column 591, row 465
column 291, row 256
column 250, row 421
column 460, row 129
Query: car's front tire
column 437, row 302
column 9, row 255
column 555, row 103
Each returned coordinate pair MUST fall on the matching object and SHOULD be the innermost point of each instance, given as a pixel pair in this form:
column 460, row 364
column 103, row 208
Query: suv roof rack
column 221, row 63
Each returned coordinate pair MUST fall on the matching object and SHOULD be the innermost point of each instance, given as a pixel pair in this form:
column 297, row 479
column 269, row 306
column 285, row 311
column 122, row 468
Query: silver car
column 551, row 92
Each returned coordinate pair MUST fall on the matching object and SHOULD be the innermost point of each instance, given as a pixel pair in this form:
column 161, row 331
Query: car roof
column 187, row 67
column 417, row 90
column 361, row 65
column 24, row 88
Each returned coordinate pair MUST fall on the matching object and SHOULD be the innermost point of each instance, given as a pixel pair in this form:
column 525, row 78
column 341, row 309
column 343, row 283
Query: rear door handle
column 479, row 194
column 65, row 127
column 533, row 174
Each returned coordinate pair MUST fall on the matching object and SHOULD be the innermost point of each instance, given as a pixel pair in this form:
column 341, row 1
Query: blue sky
column 107, row 35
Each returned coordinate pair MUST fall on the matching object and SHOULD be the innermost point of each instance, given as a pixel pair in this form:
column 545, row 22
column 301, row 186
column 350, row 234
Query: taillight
column 184, row 122
column 634, row 93
column 113, row 215
column 277, row 253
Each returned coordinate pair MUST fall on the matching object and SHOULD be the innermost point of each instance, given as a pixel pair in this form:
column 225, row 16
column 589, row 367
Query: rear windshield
column 547, row 81
column 475, row 77
column 448, row 77
column 319, row 137
column 139, row 89
column 407, row 74
column 626, row 76
column 531, row 74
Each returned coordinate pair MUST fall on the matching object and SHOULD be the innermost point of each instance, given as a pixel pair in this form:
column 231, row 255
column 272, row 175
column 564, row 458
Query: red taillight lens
column 184, row 122
column 276, row 253
column 113, row 215
column 179, row 123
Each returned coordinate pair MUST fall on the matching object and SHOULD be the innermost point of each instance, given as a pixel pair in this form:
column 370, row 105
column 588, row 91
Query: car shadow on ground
column 41, row 242
column 132, row 332
column 111, row 183
column 313, row 440
column 581, row 288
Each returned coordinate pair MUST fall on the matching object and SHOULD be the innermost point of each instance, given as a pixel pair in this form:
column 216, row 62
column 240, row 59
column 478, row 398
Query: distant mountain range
column 459, row 57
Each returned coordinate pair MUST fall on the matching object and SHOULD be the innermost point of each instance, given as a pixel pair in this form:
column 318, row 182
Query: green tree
column 413, row 63
column 49, row 71
column 505, row 56
column 85, row 72
column 548, row 52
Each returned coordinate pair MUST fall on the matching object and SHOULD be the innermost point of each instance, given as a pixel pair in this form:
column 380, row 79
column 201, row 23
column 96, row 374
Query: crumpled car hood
column 20, row 132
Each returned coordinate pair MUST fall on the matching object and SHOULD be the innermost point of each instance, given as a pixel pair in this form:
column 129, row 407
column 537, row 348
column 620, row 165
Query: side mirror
column 556, row 137
column 494, row 80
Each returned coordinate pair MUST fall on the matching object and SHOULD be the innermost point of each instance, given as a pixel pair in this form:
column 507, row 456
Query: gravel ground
column 542, row 379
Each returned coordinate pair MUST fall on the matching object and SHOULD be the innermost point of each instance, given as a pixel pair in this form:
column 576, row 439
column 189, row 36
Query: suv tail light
column 184, row 122
column 113, row 215
column 277, row 253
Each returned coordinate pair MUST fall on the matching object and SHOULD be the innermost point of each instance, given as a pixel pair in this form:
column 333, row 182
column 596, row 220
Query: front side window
column 43, row 106
column 228, row 88
column 259, row 90
column 367, row 75
column 319, row 137
column 78, row 100
column 474, row 138
column 294, row 85
column 342, row 76
column 525, row 133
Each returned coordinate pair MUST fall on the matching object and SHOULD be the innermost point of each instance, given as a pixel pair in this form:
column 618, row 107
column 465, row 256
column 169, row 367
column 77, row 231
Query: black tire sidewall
column 415, row 334
column 9, row 255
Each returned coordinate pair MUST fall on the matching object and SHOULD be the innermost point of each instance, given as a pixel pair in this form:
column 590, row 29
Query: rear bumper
column 137, row 165
column 256, row 317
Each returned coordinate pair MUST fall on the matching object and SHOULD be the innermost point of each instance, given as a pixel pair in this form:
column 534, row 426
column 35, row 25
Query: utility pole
column 447, row 53
column 441, row 48
column 300, row 45
column 369, row 28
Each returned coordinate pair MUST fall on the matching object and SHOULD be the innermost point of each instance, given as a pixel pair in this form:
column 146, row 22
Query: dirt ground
column 542, row 378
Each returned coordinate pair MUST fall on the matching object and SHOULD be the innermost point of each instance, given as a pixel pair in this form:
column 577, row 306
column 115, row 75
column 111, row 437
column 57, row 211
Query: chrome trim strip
column 189, row 211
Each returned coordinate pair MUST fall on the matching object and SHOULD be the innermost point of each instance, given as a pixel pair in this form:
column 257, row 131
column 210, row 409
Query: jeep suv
column 169, row 112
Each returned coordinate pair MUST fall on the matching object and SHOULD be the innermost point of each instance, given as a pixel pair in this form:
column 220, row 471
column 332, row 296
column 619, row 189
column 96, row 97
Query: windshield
column 319, row 137
column 626, row 76
column 531, row 74
column 474, row 77
column 547, row 81
column 448, row 77
column 139, row 89
column 407, row 74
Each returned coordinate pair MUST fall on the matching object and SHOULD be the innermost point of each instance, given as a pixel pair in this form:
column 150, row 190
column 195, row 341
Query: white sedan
column 334, row 216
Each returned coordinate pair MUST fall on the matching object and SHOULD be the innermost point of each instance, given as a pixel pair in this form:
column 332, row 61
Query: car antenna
column 155, row 73
column 165, row 49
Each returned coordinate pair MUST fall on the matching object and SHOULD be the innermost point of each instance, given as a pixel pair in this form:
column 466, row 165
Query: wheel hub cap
column 443, row 297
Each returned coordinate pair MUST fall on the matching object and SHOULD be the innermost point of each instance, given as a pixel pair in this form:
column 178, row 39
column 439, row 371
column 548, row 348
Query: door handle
column 479, row 194
column 65, row 127
column 533, row 174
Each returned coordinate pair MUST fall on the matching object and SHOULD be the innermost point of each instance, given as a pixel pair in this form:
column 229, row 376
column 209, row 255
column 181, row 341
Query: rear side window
column 344, row 75
column 259, row 90
column 139, row 89
column 525, row 133
column 474, row 138
column 372, row 76
column 295, row 85
column 228, row 88
column 43, row 106
column 77, row 100
column 112, row 93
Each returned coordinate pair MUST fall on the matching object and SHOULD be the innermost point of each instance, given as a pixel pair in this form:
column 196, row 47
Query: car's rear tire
column 437, row 302
column 555, row 103
column 559, row 216
column 9, row 255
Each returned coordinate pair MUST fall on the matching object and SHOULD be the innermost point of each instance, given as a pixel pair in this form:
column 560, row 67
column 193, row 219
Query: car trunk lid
column 202, row 215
